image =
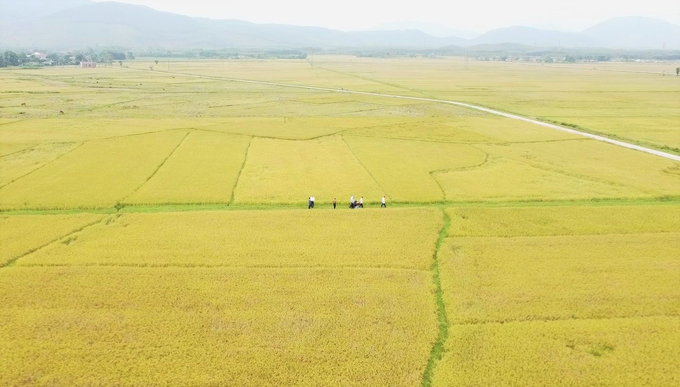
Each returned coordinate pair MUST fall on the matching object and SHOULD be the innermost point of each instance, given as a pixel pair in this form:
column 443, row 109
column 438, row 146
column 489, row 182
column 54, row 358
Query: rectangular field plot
column 561, row 296
column 97, row 174
column 296, row 127
column 20, row 234
column 612, row 352
column 22, row 162
column 203, row 169
column 462, row 129
column 219, row 326
column 571, row 220
column 278, row 171
column 507, row 180
column 403, row 168
column 636, row 173
column 559, row 277
column 399, row 238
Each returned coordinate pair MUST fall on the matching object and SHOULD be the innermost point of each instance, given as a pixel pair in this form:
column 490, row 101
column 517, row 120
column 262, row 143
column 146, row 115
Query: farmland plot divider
column 157, row 169
column 438, row 348
column 240, row 171
column 362, row 164
column 44, row 165
column 14, row 260
column 455, row 103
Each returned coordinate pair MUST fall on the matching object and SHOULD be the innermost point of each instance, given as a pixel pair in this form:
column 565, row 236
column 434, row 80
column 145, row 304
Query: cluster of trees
column 13, row 59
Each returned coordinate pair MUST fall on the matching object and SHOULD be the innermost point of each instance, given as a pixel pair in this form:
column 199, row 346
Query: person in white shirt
column 361, row 202
column 313, row 200
column 351, row 202
column 383, row 205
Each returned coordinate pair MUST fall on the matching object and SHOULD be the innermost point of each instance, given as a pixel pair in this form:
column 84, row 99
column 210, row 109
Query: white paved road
column 463, row 104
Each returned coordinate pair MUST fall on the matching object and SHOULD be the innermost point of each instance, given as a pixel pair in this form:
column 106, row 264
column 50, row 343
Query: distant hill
column 126, row 25
column 19, row 11
column 76, row 24
column 623, row 32
column 433, row 29
column 534, row 37
column 636, row 33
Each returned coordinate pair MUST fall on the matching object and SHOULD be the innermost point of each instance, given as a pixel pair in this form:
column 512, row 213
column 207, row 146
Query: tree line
column 17, row 59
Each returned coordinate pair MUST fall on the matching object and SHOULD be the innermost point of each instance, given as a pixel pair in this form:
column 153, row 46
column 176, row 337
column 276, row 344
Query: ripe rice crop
column 473, row 129
column 399, row 238
column 403, row 168
column 15, row 165
column 643, row 174
column 505, row 180
column 627, row 352
column 296, row 127
column 560, row 296
column 20, row 234
column 203, row 169
column 492, row 279
column 7, row 148
column 571, row 220
column 278, row 171
column 611, row 102
column 244, row 327
column 79, row 129
column 97, row 174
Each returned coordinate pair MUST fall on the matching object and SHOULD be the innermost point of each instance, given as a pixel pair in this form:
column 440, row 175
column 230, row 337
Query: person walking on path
column 309, row 203
column 351, row 202
column 313, row 201
column 335, row 202
column 383, row 204
column 361, row 202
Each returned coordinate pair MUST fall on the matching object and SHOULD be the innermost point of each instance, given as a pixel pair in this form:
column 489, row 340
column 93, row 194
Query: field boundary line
column 224, row 206
column 267, row 137
column 158, row 168
column 459, row 142
column 432, row 174
column 44, row 165
column 550, row 320
column 437, row 351
column 363, row 166
column 455, row 103
column 19, row 151
column 208, row 266
column 14, row 260
column 240, row 172
column 549, row 168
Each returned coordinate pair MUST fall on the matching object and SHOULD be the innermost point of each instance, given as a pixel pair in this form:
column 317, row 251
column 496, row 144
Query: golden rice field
column 224, row 326
column 561, row 295
column 157, row 232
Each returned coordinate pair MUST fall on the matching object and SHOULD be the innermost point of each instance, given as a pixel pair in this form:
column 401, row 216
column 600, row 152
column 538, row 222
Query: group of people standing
column 353, row 204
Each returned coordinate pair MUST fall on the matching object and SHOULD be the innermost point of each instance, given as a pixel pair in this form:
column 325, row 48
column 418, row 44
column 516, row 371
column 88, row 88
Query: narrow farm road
column 462, row 104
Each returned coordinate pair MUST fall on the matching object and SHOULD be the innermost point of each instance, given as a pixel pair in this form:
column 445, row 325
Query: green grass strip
column 438, row 347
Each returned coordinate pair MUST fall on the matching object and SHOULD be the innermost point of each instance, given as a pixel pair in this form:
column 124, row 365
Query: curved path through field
column 462, row 104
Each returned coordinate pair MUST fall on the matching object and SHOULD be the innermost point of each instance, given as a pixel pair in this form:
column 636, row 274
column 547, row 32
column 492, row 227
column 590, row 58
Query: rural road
column 462, row 104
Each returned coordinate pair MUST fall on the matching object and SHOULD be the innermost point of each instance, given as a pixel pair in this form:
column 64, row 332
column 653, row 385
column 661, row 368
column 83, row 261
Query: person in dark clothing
column 335, row 202
column 309, row 203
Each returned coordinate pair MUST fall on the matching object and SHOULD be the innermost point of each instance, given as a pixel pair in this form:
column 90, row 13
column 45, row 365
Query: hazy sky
column 476, row 15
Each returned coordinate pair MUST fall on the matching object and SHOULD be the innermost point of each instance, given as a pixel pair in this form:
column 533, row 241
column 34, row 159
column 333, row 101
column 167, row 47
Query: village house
column 40, row 55
column 88, row 65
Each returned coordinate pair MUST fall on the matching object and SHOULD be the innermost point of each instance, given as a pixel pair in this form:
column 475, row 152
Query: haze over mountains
column 71, row 24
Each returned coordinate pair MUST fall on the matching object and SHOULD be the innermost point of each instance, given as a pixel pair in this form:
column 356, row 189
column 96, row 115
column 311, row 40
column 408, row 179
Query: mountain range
column 72, row 24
